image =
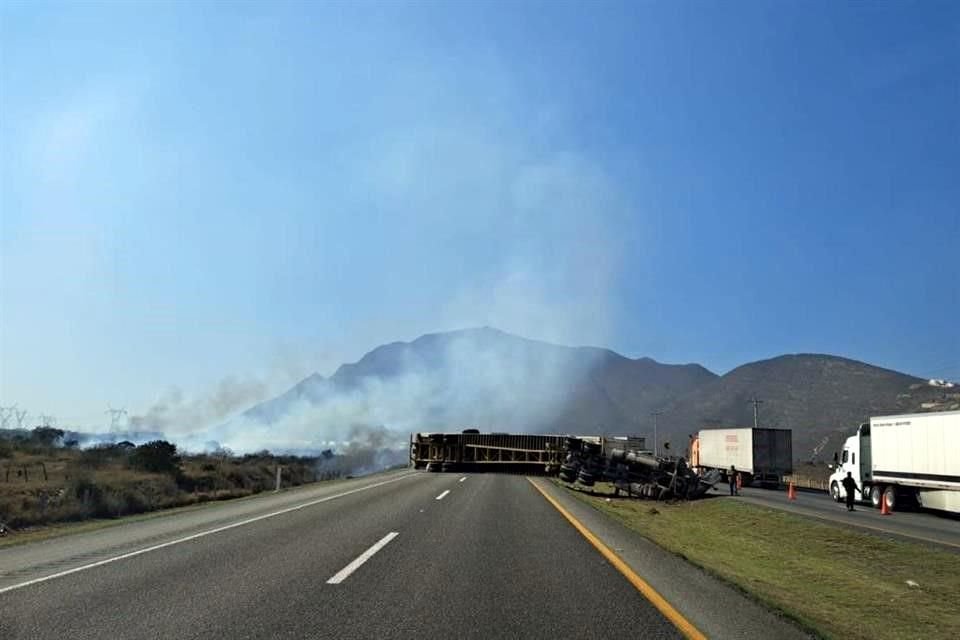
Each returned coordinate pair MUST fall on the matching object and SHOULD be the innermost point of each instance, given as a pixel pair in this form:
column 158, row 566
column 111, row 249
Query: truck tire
column 876, row 494
column 835, row 492
column 890, row 497
column 569, row 471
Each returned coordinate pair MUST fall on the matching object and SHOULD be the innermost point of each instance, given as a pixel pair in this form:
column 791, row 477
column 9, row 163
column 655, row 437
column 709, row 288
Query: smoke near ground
column 360, row 419
column 457, row 218
column 536, row 226
column 177, row 413
column 480, row 378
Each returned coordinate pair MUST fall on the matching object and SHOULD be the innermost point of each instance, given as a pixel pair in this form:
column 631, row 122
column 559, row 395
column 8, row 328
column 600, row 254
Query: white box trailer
column 913, row 457
column 763, row 456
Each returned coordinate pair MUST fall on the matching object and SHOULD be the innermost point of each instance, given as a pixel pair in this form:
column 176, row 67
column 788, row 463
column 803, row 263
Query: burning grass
column 842, row 583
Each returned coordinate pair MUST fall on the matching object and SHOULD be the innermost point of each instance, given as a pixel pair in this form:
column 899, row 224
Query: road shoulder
column 716, row 608
column 867, row 520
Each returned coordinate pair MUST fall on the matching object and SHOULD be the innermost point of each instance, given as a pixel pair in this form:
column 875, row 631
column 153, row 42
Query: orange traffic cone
column 884, row 509
column 791, row 491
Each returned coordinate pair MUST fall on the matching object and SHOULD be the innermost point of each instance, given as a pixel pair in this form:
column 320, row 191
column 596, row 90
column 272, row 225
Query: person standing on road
column 850, row 485
column 732, row 478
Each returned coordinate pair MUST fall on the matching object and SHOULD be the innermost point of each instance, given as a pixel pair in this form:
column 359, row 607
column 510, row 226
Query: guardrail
column 804, row 482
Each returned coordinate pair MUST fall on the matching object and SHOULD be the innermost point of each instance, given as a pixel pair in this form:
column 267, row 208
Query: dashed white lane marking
column 199, row 535
column 443, row 495
column 344, row 573
column 462, row 479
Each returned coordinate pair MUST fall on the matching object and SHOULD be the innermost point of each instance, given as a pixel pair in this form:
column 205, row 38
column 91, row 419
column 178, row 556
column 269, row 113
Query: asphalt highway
column 401, row 555
column 927, row 527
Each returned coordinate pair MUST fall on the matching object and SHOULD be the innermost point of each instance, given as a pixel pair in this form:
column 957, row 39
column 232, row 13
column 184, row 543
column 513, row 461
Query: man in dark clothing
column 850, row 485
column 732, row 477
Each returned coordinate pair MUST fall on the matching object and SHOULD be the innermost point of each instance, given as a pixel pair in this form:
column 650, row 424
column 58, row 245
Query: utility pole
column 756, row 402
column 655, row 414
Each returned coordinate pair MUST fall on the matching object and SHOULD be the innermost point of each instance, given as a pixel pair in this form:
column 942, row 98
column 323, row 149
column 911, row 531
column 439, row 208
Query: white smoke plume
column 177, row 414
column 443, row 382
column 550, row 274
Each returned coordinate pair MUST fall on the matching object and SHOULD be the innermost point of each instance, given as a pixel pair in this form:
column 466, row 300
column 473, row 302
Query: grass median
column 838, row 582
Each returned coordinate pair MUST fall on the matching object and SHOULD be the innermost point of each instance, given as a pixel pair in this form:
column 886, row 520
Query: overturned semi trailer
column 474, row 451
column 586, row 460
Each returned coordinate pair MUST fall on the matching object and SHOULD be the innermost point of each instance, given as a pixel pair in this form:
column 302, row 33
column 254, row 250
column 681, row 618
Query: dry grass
column 839, row 582
column 42, row 487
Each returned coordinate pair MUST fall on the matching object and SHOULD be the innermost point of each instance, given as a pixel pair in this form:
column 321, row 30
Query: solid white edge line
column 462, row 479
column 443, row 495
column 344, row 573
column 199, row 535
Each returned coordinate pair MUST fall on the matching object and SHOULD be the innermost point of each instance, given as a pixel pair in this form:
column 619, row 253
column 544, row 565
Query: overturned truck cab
column 636, row 473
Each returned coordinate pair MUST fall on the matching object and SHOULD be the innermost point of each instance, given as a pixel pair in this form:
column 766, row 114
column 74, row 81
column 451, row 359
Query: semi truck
column 760, row 456
column 911, row 459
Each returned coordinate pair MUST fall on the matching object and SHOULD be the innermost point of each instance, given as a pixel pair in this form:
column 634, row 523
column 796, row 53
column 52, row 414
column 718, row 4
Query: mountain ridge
column 487, row 378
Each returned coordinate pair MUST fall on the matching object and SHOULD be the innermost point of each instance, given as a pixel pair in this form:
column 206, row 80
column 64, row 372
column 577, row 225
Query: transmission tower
column 115, row 416
column 5, row 414
column 46, row 421
column 21, row 416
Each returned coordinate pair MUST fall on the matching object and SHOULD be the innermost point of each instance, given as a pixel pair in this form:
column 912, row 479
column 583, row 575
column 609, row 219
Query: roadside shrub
column 112, row 480
column 101, row 455
column 158, row 456
column 46, row 436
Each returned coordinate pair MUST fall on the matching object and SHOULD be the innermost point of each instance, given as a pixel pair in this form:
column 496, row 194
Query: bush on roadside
column 102, row 455
column 112, row 480
column 158, row 456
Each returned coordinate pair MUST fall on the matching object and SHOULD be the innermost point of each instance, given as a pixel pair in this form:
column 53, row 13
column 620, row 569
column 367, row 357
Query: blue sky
column 191, row 192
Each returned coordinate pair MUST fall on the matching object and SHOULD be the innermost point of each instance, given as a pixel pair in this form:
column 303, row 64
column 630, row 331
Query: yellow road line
column 664, row 607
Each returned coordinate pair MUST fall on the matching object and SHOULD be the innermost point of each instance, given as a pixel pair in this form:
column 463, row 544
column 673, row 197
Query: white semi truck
column 761, row 456
column 907, row 459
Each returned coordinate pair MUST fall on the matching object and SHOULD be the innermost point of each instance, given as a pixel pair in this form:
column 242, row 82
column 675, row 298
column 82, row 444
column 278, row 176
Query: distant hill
column 817, row 396
column 485, row 377
column 500, row 382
